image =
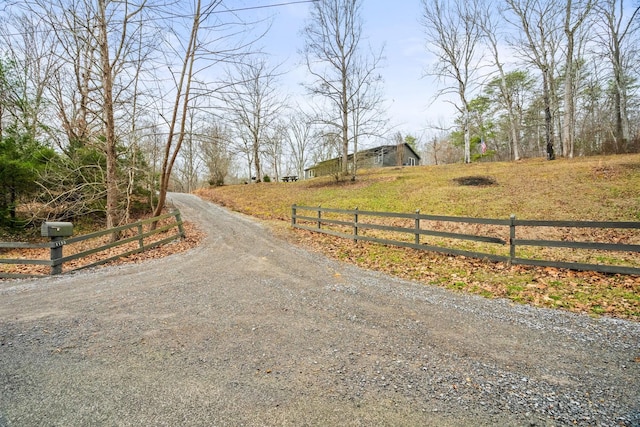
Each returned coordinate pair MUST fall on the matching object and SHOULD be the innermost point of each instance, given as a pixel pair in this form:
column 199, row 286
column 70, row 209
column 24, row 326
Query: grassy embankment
column 595, row 188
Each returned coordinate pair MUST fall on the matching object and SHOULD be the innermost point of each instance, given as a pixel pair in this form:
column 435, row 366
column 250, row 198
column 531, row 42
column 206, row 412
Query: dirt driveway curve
column 249, row 330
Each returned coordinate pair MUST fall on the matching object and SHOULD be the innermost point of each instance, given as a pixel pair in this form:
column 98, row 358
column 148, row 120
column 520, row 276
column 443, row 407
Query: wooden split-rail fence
column 141, row 234
column 432, row 233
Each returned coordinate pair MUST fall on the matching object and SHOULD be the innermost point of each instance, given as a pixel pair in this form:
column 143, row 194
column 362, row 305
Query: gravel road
column 249, row 330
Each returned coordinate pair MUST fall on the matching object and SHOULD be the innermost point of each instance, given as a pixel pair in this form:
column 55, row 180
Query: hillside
column 594, row 188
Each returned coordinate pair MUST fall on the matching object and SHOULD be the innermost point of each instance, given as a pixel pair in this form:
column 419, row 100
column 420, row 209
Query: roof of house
column 376, row 149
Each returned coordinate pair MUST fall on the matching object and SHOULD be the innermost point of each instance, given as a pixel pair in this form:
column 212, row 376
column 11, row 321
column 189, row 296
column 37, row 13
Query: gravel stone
column 249, row 330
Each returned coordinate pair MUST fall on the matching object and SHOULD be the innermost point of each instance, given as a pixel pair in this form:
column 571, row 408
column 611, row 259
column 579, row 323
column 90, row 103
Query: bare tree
column 136, row 173
column 341, row 73
column 398, row 140
column 538, row 20
column 327, row 145
column 214, row 38
column 366, row 104
column 454, row 36
column 96, row 85
column 113, row 56
column 108, row 27
column 620, row 44
column 242, row 145
column 274, row 148
column 151, row 144
column 575, row 15
column 179, row 113
column 513, row 92
column 26, row 45
column 215, row 153
column 593, row 111
column 74, row 88
column 490, row 23
column 439, row 150
column 253, row 104
column 190, row 159
column 299, row 139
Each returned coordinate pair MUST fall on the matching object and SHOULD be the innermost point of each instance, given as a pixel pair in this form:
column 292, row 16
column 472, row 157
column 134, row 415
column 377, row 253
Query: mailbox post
column 57, row 231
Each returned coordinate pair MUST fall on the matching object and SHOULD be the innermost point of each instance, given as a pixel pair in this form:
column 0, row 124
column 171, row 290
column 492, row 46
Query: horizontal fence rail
column 136, row 229
column 349, row 224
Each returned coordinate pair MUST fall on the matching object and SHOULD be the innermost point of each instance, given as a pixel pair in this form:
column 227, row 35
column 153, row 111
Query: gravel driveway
column 249, row 330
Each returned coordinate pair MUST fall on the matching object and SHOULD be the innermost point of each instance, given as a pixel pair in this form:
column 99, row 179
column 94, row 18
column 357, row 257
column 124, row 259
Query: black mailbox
column 56, row 229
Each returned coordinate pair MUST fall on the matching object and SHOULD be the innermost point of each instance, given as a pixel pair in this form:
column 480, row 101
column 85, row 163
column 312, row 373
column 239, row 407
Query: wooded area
column 106, row 105
column 534, row 77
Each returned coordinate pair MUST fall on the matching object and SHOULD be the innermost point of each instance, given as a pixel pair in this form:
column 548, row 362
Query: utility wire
column 266, row 6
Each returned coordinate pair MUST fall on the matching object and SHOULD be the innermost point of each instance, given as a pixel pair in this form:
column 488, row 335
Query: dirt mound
column 478, row 181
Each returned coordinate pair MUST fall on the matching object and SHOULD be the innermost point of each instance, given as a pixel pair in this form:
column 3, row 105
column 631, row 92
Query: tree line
column 106, row 105
column 538, row 77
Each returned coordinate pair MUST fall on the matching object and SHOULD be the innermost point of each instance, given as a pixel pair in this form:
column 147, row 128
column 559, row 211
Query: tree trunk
column 467, row 137
column 515, row 137
column 568, row 137
column 109, row 122
column 548, row 119
column 256, row 158
column 567, row 126
column 619, row 99
column 186, row 77
column 345, row 126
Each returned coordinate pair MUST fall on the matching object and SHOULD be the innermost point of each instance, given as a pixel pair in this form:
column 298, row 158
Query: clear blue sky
column 395, row 25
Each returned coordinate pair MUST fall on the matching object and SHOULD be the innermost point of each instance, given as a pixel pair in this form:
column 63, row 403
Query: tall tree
column 620, row 43
column 366, row 104
column 183, row 79
column 340, row 71
column 274, row 148
column 212, row 39
column 576, row 12
column 25, row 71
column 454, row 36
column 490, row 24
column 107, row 80
column 593, row 111
column 538, row 44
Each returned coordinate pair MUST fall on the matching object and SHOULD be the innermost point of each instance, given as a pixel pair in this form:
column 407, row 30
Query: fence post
column 56, row 254
column 293, row 215
column 180, row 226
column 355, row 225
column 512, row 238
column 417, row 226
column 319, row 216
column 140, row 238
